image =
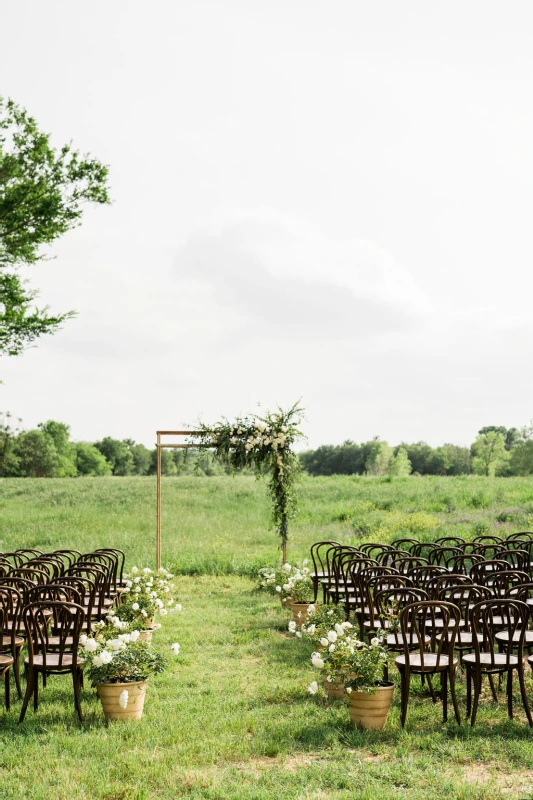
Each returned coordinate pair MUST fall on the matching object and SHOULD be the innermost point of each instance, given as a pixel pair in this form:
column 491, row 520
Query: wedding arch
column 262, row 443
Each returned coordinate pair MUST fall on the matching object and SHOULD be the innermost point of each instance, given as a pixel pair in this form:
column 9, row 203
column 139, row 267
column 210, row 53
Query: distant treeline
column 496, row 451
column 48, row 452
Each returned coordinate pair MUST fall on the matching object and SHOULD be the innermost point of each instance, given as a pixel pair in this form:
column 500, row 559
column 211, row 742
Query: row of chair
column 47, row 600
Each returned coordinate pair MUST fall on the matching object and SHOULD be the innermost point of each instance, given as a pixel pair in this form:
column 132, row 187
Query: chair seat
column 438, row 623
column 503, row 637
column 500, row 660
column 52, row 660
column 54, row 641
column 430, row 662
column 397, row 640
column 18, row 642
column 5, row 662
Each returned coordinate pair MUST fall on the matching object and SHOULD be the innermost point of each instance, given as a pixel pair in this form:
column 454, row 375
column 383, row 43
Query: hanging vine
column 264, row 444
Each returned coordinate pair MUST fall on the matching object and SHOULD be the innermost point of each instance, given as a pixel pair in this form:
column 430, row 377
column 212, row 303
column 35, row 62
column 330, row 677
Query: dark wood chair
column 318, row 553
column 415, row 619
column 67, row 622
column 11, row 640
column 487, row 616
column 6, row 659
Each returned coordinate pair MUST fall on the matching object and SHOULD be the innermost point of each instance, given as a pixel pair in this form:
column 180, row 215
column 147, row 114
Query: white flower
column 136, row 580
column 83, row 639
column 330, row 613
column 175, row 648
column 311, row 609
column 91, row 645
column 134, row 635
column 324, row 642
column 374, row 642
column 124, row 637
column 178, row 607
column 157, row 626
column 135, row 607
column 137, row 589
column 298, row 634
column 347, row 625
column 286, row 567
column 147, row 570
column 143, row 612
column 313, row 687
column 106, row 657
column 332, row 636
column 97, row 661
column 134, row 569
column 311, row 629
column 163, row 612
column 332, row 648
column 115, row 644
column 123, row 699
column 286, row 587
column 159, row 603
column 292, row 626
column 349, row 689
column 316, row 661
column 278, row 588
column 339, row 629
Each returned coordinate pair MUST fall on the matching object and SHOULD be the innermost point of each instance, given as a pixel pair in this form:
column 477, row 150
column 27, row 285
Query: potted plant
column 299, row 590
column 119, row 665
column 355, row 668
column 320, row 619
column 273, row 580
column 143, row 597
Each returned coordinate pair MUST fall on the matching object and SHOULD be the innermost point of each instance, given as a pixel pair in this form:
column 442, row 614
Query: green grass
column 232, row 717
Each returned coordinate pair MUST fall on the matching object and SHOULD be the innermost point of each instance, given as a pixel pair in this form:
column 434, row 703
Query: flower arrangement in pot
column 299, row 591
column 273, row 581
column 320, row 620
column 355, row 668
column 144, row 596
column 119, row 665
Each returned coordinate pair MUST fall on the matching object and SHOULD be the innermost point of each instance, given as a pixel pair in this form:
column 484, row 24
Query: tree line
column 496, row 451
column 48, row 452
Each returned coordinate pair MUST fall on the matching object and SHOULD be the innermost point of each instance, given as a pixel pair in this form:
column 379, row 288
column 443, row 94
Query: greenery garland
column 263, row 443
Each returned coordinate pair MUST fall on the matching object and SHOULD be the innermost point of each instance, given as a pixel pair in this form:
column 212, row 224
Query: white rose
column 374, row 642
column 332, row 636
column 106, row 657
column 135, row 606
column 91, row 645
column 97, row 661
column 316, row 661
column 292, row 626
column 123, row 699
column 313, row 687
column 324, row 642
column 175, row 648
column 134, row 635
column 332, row 648
column 349, row 689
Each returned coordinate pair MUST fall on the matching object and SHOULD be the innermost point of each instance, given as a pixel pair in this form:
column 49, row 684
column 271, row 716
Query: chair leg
column 35, row 690
column 406, row 681
column 493, row 688
column 454, row 696
column 16, row 672
column 468, row 692
column 430, row 686
column 510, row 693
column 7, row 689
column 76, row 683
column 477, row 692
column 523, row 692
column 29, row 691
column 444, row 695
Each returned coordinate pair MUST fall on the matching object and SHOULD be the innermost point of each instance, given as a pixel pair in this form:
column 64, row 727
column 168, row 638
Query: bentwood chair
column 318, row 553
column 415, row 619
column 6, row 659
column 512, row 616
column 11, row 640
column 67, row 621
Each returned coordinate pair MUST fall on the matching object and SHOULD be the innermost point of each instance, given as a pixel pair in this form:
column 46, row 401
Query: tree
column 522, row 452
column 37, row 455
column 168, row 466
column 60, row 435
column 399, row 465
column 142, row 457
column 90, row 461
column 379, row 458
column 489, row 453
column 511, row 435
column 8, row 434
column 118, row 455
column 42, row 194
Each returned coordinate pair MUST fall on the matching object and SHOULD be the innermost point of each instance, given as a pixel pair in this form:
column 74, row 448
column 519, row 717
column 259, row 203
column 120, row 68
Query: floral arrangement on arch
column 145, row 595
column 263, row 444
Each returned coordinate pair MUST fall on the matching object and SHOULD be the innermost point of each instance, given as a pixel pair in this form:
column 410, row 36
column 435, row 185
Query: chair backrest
column 318, row 555
column 404, row 565
column 389, row 604
column 502, row 583
column 463, row 563
column 422, row 575
column 481, row 572
column 520, row 535
column 35, row 573
column 491, row 616
column 54, row 592
column 416, row 619
column 487, row 538
column 464, row 597
column 68, row 557
column 406, row 544
column 29, row 552
column 86, row 590
column 436, row 585
column 11, row 605
column 121, row 557
column 515, row 557
column 440, row 555
column 53, row 565
column 60, row 619
column 21, row 585
column 450, row 541
column 16, row 559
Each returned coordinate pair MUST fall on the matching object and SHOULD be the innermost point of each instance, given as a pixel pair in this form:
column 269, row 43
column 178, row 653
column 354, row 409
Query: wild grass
column 232, row 718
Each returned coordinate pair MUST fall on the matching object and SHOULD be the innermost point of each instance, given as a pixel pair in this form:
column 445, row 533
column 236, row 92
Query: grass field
column 232, row 717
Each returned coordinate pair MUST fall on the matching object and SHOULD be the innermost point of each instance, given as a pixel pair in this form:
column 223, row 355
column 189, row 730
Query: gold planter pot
column 109, row 694
column 371, row 710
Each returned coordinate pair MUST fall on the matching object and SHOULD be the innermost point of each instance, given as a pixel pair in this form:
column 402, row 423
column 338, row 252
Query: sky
column 325, row 201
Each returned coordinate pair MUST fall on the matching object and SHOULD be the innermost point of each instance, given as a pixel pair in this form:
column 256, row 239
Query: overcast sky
column 321, row 200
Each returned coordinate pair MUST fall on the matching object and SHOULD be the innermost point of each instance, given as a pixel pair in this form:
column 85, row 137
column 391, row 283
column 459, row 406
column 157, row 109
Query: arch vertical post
column 158, row 511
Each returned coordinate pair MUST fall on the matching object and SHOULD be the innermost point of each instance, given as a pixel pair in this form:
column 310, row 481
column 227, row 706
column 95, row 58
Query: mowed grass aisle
column 232, row 719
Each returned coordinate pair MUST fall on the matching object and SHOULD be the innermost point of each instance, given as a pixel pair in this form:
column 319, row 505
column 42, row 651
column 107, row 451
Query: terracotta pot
column 335, row 691
column 109, row 694
column 146, row 636
column 371, row 710
column 299, row 611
